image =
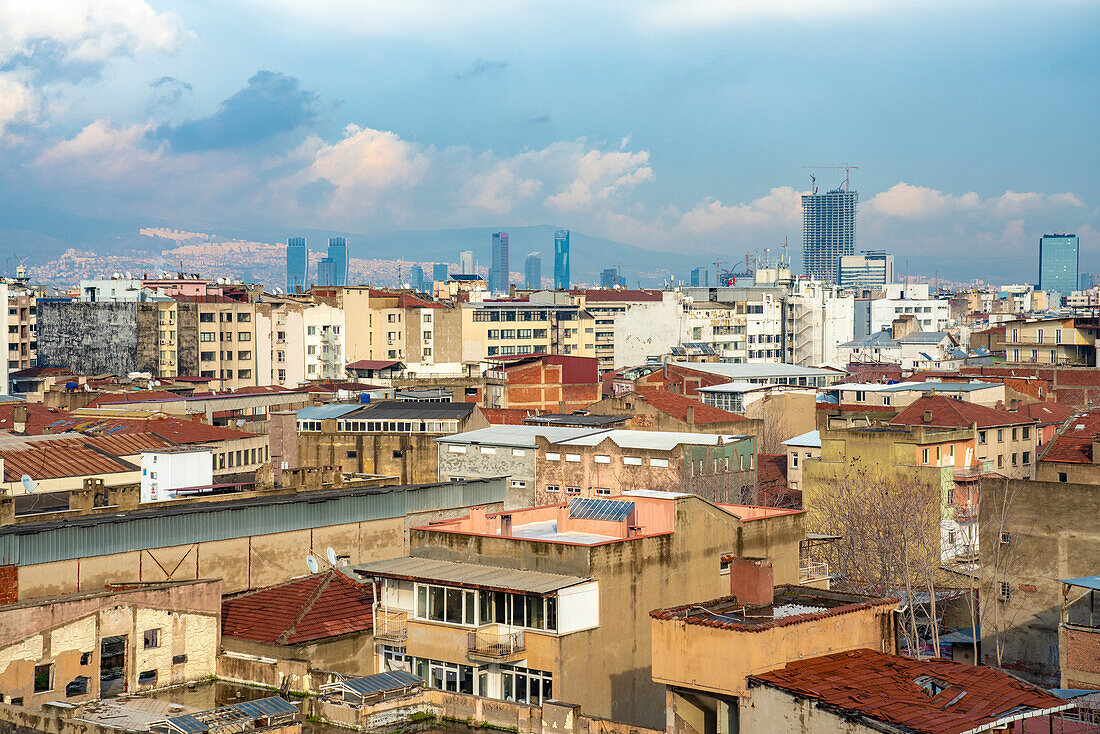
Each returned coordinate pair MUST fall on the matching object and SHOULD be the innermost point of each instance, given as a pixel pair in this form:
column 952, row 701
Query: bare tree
column 890, row 529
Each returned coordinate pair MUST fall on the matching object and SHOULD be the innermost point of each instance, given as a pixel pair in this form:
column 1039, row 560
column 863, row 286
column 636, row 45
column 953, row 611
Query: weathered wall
column 1054, row 531
column 776, row 712
column 1079, row 654
column 409, row 457
column 351, row 655
column 93, row 338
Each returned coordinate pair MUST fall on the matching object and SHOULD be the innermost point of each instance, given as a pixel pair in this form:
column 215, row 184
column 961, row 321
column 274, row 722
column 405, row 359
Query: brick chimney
column 506, row 525
column 752, row 581
column 691, row 415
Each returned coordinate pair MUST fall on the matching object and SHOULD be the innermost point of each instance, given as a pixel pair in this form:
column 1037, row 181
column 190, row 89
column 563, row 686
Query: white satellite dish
column 331, row 555
column 311, row 563
column 128, row 276
column 240, row 422
column 28, row 483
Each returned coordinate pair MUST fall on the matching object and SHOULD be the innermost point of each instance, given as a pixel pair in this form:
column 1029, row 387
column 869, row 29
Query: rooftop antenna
column 848, row 168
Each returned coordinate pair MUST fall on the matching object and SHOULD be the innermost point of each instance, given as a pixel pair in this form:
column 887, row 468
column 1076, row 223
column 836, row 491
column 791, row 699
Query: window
column 1026, row 458
column 207, row 336
column 572, row 490
column 1006, row 538
column 603, row 492
column 1006, row 591
column 860, row 396
column 147, row 677
column 206, row 318
column 632, row 460
column 151, row 638
column 242, row 317
column 924, row 456
column 311, row 331
column 553, row 456
column 179, row 659
column 43, row 677
column 451, row 448
column 1000, row 435
column 347, row 455
column 603, row 459
column 244, row 336
column 1000, row 461
column 553, row 488
column 794, row 459
column 1013, row 458
column 244, row 374
column 518, row 484
column 244, row 355
column 1062, row 477
column 208, row 356
column 86, row 658
column 981, row 438
column 1015, row 433
column 573, row 457
column 519, row 452
column 662, row 463
column 78, row 686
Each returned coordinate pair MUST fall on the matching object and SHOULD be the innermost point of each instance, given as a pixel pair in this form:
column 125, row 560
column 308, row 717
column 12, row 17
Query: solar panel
column 186, row 724
column 589, row 508
column 272, row 706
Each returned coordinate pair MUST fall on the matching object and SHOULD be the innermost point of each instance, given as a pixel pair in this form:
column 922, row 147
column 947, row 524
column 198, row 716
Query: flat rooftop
column 791, row 605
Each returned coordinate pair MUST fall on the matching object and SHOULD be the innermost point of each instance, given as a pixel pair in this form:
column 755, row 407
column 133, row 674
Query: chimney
column 927, row 416
column 479, row 523
column 563, row 518
column 19, row 420
column 506, row 525
column 691, row 415
column 752, row 581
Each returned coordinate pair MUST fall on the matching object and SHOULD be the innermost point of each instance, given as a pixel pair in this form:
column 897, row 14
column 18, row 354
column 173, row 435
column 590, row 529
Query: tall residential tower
column 561, row 259
column 498, row 274
column 297, row 265
column 338, row 253
column 828, row 231
column 532, row 271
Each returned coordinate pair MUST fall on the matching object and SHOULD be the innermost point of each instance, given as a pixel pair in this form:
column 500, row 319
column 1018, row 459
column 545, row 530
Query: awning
column 1085, row 582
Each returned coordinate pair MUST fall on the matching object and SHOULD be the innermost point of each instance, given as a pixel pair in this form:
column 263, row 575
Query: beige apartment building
column 470, row 332
column 22, row 337
column 1066, row 341
column 382, row 324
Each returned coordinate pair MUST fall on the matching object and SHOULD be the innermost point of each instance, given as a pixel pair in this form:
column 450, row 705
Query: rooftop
column 576, row 419
column 52, row 461
column 791, row 605
column 373, row 364
column 518, row 436
column 929, row 696
column 301, row 610
column 951, row 413
column 1073, row 443
column 652, row 440
column 677, row 406
column 743, row 372
column 471, row 575
column 1047, row 414
column 811, row 439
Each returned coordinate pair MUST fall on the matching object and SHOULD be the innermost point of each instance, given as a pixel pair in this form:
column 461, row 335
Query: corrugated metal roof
column 518, row 436
column 57, row 461
column 321, row 412
column 1085, row 582
column 653, row 440
column 473, row 575
column 199, row 522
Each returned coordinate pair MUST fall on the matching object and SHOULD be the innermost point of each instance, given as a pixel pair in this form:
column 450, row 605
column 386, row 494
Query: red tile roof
column 372, row 364
column 951, row 413
column 1073, row 444
column 508, row 416
column 1047, row 414
column 54, row 460
column 771, row 471
column 887, row 688
column 39, row 417
column 174, row 430
column 676, row 406
column 302, row 610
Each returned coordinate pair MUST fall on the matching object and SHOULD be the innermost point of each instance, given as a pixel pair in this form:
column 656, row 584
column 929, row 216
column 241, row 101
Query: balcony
column 967, row 553
column 966, row 512
column 495, row 642
column 811, row 571
column 391, row 626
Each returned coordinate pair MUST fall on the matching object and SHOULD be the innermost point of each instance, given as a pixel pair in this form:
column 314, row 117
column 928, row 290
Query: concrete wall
column 94, row 338
column 501, row 461
column 1054, row 532
column 66, row 634
column 351, row 655
column 773, row 711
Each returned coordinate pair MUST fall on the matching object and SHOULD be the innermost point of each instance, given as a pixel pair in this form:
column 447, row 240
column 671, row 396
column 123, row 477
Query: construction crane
column 846, row 168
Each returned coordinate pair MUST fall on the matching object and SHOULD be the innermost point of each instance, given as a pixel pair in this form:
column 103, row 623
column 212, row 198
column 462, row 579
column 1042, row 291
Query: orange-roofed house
column 553, row 602
column 324, row 618
column 1072, row 454
column 652, row 408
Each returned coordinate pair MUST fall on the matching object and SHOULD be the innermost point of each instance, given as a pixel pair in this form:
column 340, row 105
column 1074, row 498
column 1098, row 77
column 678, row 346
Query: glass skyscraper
column 466, row 262
column 1058, row 261
column 700, row 277
column 297, row 265
column 338, row 253
column 828, row 231
column 498, row 274
column 532, row 271
column 561, row 259
column 439, row 271
column 326, row 272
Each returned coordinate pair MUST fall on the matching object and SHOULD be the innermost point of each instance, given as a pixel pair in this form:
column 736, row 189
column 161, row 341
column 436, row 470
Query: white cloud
column 781, row 207
column 906, row 201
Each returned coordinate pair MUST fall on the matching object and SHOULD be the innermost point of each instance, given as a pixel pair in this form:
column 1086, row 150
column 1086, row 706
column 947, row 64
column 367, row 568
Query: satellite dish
column 28, row 483
column 311, row 563
column 128, row 276
column 240, row 422
column 331, row 555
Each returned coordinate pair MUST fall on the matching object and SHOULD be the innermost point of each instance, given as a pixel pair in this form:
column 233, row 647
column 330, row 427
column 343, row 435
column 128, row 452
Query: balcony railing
column 391, row 626
column 966, row 512
column 966, row 553
column 810, row 571
column 496, row 642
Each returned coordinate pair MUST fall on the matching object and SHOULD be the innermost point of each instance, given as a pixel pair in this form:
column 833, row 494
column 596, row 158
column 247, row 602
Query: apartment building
column 553, row 602
column 1065, row 341
column 720, row 468
column 22, row 329
column 630, row 324
column 546, row 382
column 721, row 325
column 470, row 332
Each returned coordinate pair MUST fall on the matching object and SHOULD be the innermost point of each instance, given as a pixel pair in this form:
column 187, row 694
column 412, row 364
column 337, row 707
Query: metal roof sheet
column 370, row 685
column 321, row 412
column 469, row 574
column 654, row 440
column 809, row 438
column 1085, row 582
column 518, row 436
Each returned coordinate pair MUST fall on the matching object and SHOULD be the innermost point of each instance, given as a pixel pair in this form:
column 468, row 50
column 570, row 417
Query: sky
column 674, row 125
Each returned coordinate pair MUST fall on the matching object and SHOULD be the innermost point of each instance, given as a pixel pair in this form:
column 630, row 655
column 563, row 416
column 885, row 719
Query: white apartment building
column 324, row 342
column 820, row 318
column 721, row 325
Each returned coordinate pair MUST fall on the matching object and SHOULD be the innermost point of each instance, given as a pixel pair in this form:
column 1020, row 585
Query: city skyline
column 137, row 125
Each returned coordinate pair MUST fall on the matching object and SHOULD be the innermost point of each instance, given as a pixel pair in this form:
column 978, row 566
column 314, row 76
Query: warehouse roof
column 652, row 440
column 518, row 436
